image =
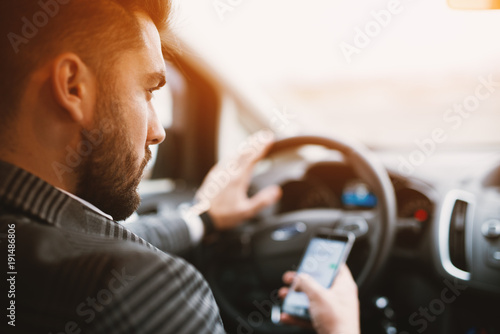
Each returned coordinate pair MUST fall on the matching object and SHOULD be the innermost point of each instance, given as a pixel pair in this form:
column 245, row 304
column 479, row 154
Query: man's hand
column 334, row 310
column 224, row 190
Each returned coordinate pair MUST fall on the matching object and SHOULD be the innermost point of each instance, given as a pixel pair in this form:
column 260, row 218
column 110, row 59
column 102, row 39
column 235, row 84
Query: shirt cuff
column 193, row 222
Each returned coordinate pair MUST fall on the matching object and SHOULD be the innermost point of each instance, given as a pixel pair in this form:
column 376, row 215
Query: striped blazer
column 71, row 270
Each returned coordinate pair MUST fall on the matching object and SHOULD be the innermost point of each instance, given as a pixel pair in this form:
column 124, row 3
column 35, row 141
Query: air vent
column 455, row 227
column 457, row 235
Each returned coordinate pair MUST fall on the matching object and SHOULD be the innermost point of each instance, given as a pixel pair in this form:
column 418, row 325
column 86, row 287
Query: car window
column 232, row 130
column 391, row 73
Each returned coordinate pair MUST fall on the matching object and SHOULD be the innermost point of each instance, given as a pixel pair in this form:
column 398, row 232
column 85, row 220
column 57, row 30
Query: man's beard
column 109, row 176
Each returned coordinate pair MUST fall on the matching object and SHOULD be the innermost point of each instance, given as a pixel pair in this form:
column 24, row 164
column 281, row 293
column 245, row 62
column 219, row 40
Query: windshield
column 387, row 72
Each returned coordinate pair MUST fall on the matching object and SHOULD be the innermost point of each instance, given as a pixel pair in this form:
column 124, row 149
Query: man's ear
column 73, row 85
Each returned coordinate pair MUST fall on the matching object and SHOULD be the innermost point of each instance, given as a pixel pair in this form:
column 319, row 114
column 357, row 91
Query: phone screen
column 321, row 261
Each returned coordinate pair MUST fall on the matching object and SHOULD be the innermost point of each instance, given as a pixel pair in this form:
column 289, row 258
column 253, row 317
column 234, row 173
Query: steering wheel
column 275, row 242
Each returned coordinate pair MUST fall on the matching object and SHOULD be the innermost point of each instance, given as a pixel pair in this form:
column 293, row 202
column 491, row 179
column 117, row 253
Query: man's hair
column 35, row 31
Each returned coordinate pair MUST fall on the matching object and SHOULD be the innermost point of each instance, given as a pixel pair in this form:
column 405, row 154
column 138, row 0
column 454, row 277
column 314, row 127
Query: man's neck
column 41, row 144
column 42, row 168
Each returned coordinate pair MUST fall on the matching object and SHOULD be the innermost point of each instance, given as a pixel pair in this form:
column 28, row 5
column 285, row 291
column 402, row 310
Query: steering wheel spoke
column 360, row 223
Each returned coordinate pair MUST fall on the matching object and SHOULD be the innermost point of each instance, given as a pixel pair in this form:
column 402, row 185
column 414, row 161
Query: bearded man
column 78, row 77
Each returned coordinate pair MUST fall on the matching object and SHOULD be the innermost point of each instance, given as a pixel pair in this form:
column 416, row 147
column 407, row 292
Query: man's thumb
column 308, row 285
column 264, row 198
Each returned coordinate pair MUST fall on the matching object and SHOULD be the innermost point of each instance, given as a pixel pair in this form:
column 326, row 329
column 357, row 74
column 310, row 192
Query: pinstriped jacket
column 71, row 270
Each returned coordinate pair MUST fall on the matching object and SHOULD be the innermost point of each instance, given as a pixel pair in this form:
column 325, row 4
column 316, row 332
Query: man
column 76, row 123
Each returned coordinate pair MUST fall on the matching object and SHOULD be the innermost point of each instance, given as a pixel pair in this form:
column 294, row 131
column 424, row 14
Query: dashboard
column 313, row 192
column 336, row 186
column 448, row 211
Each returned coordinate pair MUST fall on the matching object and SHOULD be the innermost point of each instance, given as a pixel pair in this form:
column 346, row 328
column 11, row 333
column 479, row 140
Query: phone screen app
column 320, row 261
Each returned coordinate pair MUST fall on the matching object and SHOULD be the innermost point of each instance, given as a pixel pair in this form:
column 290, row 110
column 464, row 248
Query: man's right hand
column 334, row 310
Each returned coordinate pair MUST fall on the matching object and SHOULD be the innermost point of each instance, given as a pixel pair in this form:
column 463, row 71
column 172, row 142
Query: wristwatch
column 208, row 223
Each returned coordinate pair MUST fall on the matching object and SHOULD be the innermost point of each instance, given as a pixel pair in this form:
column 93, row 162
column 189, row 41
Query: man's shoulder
column 54, row 251
column 97, row 281
column 39, row 239
column 157, row 287
column 12, row 217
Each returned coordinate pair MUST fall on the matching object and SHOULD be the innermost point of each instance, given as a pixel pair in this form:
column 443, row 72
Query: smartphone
column 326, row 252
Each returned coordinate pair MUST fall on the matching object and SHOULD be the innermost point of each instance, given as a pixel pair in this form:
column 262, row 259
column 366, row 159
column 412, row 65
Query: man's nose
column 156, row 132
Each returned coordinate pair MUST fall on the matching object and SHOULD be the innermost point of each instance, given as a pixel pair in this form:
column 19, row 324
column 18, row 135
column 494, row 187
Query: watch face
column 208, row 223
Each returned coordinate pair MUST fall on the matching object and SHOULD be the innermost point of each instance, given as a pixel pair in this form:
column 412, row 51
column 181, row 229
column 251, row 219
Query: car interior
column 382, row 155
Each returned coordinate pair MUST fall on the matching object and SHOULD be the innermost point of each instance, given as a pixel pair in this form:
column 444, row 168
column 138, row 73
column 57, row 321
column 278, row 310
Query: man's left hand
column 224, row 190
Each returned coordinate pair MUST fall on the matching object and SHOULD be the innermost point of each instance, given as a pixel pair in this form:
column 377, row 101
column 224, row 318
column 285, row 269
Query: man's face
column 110, row 175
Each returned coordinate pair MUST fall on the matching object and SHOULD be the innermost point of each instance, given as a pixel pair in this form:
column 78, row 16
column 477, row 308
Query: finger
column 255, row 148
column 263, row 199
column 283, row 292
column 263, row 140
column 345, row 271
column 289, row 320
column 344, row 279
column 343, row 274
column 288, row 277
column 309, row 286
